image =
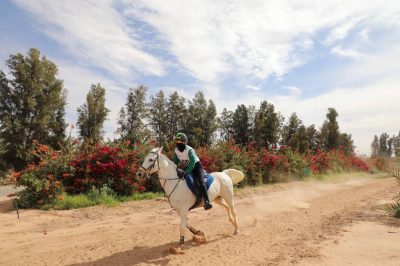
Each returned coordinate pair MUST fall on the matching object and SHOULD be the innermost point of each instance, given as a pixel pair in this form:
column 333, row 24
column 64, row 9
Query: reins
column 165, row 179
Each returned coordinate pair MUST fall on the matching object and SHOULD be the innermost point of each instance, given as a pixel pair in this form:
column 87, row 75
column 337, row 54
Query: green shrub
column 394, row 207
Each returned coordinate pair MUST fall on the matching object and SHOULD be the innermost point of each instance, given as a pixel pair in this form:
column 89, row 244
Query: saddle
column 193, row 186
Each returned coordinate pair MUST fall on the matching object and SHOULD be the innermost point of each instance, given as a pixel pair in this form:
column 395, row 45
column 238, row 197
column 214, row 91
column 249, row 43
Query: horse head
column 151, row 163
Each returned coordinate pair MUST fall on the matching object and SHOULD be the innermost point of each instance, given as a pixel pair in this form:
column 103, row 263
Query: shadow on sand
column 157, row 255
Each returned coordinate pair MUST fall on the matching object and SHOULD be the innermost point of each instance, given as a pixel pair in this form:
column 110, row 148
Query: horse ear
column 160, row 150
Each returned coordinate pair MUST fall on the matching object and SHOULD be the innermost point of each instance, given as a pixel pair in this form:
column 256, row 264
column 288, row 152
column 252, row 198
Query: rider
column 186, row 156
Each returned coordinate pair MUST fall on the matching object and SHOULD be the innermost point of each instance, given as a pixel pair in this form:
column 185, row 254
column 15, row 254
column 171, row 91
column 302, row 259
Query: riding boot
column 207, row 204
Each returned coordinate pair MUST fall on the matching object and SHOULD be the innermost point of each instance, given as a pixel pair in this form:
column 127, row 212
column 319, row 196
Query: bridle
column 154, row 163
column 158, row 175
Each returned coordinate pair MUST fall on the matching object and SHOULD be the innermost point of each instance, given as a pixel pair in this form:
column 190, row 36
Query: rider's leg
column 198, row 173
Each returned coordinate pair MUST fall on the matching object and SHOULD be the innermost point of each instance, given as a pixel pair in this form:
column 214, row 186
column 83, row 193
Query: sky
column 302, row 56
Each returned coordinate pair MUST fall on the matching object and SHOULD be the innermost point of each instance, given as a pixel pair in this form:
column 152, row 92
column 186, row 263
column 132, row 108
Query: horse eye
column 150, row 160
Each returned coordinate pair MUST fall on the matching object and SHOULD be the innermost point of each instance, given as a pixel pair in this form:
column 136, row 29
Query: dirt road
column 305, row 223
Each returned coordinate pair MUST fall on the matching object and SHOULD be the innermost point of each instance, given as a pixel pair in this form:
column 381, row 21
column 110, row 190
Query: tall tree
column 92, row 114
column 158, row 117
column 177, row 113
column 313, row 138
column 346, row 143
column 302, row 141
column 390, row 143
column 396, row 146
column 241, row 125
column 383, row 144
column 131, row 117
column 268, row 125
column 225, row 122
column 32, row 106
column 330, row 130
column 375, row 147
column 201, row 120
column 252, row 114
column 210, row 125
column 289, row 131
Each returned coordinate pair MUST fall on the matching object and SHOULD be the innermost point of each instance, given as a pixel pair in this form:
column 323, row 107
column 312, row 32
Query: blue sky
column 303, row 56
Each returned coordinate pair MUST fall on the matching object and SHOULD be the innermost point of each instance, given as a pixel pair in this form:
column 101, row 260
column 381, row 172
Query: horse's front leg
column 184, row 223
column 182, row 228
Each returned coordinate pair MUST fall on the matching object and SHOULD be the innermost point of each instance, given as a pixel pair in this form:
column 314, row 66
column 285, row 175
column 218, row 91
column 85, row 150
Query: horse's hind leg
column 193, row 230
column 233, row 210
column 231, row 214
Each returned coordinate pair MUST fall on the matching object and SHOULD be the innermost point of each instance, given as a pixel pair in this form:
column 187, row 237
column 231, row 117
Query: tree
column 267, row 126
column 201, row 122
column 177, row 113
column 32, row 106
column 92, row 114
column 158, row 117
column 289, row 131
column 330, row 130
column 302, row 141
column 396, row 145
column 225, row 121
column 375, row 147
column 346, row 143
column 383, row 144
column 252, row 113
column 131, row 125
column 313, row 138
column 390, row 146
column 241, row 125
column 210, row 125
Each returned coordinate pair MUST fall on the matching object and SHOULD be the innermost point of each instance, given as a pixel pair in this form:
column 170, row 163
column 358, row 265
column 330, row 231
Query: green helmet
column 181, row 137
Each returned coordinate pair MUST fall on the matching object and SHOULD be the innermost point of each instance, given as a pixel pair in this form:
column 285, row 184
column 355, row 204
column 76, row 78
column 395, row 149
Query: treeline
column 33, row 100
column 385, row 145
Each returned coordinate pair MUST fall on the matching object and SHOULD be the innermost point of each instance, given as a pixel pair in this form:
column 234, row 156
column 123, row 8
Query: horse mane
column 168, row 160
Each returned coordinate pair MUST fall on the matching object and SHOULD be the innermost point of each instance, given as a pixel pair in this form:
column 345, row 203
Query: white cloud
column 96, row 33
column 340, row 32
column 294, row 91
column 346, row 53
column 253, row 88
column 257, row 39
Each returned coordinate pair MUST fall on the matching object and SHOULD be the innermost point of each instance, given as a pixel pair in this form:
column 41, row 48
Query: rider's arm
column 175, row 159
column 192, row 161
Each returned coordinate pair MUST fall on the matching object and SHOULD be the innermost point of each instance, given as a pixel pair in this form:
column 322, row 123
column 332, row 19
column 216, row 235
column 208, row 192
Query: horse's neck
column 167, row 171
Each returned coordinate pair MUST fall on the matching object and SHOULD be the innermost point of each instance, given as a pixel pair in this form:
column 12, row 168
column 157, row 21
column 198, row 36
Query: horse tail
column 235, row 175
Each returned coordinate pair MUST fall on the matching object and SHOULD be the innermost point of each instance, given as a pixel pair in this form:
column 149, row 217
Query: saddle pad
column 190, row 182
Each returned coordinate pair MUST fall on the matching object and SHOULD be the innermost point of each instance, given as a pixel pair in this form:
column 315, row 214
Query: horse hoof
column 200, row 233
column 201, row 239
column 236, row 233
column 176, row 250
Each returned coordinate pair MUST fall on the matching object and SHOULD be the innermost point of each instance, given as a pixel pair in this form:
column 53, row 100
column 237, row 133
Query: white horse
column 181, row 198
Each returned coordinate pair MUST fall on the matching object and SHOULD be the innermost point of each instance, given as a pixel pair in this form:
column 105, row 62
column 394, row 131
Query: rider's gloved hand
column 180, row 173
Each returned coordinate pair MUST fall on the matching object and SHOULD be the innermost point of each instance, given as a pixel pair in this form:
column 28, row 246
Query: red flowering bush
column 114, row 166
column 41, row 179
column 210, row 158
column 318, row 162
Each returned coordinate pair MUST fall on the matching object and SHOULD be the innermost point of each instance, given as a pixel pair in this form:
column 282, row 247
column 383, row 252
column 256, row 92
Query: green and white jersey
column 188, row 158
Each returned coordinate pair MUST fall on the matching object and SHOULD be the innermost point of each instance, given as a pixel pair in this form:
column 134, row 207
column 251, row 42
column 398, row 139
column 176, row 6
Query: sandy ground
column 304, row 223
